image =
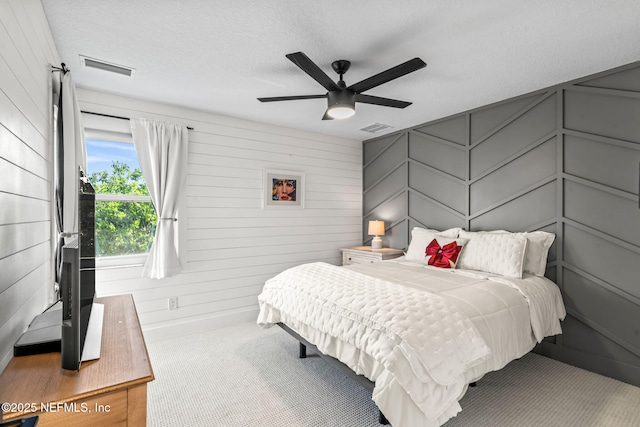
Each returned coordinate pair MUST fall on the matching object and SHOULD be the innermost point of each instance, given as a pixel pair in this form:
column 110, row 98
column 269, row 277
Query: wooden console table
column 110, row 391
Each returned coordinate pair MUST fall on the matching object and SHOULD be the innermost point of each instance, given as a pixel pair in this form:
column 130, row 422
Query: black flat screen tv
column 78, row 280
column 65, row 330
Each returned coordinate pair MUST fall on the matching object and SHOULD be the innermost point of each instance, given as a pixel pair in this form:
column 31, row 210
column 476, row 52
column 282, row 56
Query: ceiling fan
column 342, row 99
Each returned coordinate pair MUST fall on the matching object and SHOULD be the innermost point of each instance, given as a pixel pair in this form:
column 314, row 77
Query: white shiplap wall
column 233, row 245
column 26, row 50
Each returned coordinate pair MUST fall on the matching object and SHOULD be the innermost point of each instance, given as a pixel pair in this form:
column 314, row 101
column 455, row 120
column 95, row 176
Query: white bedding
column 420, row 333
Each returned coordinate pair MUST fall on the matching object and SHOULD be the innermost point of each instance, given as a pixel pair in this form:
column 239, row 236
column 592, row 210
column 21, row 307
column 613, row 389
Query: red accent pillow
column 443, row 253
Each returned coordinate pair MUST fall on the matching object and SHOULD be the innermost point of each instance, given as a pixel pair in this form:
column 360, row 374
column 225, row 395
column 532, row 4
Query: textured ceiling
column 219, row 56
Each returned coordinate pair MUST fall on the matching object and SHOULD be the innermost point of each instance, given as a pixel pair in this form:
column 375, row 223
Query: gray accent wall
column 566, row 160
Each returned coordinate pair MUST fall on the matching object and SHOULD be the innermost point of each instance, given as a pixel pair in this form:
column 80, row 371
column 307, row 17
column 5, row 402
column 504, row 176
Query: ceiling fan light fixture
column 342, row 104
column 339, row 111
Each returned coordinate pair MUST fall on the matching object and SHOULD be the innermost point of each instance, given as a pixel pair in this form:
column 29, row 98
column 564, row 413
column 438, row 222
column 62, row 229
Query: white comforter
column 421, row 334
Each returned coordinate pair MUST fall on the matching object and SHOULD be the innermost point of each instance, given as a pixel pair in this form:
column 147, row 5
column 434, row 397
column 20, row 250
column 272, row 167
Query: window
column 125, row 217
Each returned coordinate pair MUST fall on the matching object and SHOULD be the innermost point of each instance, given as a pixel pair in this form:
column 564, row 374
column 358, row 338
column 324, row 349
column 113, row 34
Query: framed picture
column 283, row 189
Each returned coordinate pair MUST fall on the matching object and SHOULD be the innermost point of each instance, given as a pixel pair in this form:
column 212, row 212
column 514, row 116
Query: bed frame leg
column 473, row 384
column 303, row 351
column 382, row 419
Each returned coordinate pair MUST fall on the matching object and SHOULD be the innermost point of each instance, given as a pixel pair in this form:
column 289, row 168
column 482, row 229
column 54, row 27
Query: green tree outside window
column 122, row 227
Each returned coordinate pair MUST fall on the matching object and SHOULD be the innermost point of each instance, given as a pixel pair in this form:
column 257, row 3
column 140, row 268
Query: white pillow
column 538, row 244
column 499, row 253
column 421, row 237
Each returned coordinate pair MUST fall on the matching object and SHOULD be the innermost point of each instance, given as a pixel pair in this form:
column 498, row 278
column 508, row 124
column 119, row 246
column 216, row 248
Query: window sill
column 120, row 261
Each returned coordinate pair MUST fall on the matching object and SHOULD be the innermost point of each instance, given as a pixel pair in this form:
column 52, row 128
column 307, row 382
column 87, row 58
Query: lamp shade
column 376, row 228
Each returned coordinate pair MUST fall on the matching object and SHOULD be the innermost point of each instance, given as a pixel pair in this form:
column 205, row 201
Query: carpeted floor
column 248, row 376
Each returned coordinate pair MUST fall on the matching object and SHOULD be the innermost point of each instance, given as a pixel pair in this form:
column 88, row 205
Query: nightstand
column 366, row 255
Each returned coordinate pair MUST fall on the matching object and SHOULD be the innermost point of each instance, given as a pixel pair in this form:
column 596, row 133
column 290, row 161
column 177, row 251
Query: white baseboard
column 216, row 321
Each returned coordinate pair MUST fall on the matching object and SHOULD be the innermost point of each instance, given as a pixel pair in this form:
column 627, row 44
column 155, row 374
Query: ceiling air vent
column 376, row 127
column 107, row 66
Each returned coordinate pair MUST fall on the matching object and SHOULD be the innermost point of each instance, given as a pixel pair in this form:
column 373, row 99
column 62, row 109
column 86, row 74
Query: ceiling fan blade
column 376, row 100
column 309, row 67
column 290, row 98
column 388, row 75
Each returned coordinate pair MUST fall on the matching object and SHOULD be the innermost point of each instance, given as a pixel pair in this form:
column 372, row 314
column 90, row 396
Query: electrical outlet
column 173, row 303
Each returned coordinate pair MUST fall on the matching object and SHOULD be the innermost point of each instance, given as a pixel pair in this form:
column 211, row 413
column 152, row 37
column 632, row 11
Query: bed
column 424, row 326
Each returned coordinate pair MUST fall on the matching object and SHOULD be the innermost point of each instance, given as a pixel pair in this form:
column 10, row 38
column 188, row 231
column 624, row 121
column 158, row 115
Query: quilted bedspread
column 417, row 337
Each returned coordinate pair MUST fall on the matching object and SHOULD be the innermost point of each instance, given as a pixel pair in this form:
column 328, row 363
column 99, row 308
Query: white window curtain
column 162, row 152
column 70, row 152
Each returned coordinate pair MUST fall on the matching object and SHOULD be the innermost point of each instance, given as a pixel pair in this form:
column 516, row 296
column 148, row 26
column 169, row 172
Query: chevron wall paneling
column 566, row 160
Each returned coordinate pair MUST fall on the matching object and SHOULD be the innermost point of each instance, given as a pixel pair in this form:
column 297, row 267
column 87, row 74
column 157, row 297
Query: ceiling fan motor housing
column 341, row 97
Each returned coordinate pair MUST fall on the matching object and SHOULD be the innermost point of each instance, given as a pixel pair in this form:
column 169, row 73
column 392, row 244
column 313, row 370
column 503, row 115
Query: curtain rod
column 62, row 68
column 114, row 117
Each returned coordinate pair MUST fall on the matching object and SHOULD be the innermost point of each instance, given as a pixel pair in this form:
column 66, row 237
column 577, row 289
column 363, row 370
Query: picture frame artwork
column 283, row 189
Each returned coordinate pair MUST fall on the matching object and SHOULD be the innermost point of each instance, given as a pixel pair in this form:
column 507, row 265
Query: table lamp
column 376, row 228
